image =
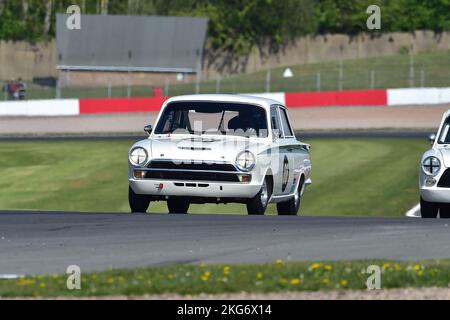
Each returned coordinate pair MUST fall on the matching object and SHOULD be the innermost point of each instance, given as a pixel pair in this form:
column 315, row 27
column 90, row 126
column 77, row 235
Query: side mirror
column 148, row 129
column 432, row 138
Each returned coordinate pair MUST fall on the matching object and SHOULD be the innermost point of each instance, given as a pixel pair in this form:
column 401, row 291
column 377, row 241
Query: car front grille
column 445, row 180
column 192, row 171
column 192, row 176
column 171, row 165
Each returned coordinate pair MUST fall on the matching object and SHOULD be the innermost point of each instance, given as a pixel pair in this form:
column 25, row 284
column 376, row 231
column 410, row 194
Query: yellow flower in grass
column 110, row 281
column 42, row 285
column 328, row 267
column 397, row 267
column 296, row 282
column 315, row 266
column 280, row 262
column 417, row 267
column 205, row 276
column 344, row 283
column 259, row 276
column 24, row 282
column 226, row 270
column 386, row 266
column 326, row 281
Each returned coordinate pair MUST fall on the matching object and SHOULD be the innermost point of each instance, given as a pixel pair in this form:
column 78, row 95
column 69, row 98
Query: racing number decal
column 285, row 173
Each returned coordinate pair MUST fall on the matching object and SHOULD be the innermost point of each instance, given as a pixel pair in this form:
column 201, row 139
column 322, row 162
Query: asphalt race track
column 46, row 243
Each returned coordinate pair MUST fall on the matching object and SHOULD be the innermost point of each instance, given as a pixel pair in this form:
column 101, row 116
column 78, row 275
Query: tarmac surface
column 46, row 243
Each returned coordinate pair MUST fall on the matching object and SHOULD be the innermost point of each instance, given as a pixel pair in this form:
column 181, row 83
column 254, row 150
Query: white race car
column 220, row 149
column 434, row 181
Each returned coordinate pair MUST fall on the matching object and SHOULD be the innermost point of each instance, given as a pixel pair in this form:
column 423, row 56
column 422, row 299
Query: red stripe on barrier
column 121, row 105
column 337, row 98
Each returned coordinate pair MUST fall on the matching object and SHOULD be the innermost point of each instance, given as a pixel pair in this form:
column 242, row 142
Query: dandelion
column 280, row 262
column 110, row 281
column 328, row 267
column 205, row 276
column 386, row 266
column 417, row 267
column 259, row 276
column 326, row 281
column 344, row 283
column 397, row 267
column 295, row 282
column 315, row 266
column 24, row 282
column 226, row 270
column 42, row 285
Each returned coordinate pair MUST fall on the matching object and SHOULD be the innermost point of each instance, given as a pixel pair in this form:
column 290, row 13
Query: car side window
column 287, row 130
column 274, row 118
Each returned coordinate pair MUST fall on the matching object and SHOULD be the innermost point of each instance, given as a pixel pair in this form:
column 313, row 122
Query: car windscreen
column 444, row 137
column 213, row 118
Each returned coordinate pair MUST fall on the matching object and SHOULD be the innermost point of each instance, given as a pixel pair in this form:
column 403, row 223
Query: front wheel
column 429, row 210
column 291, row 207
column 444, row 211
column 258, row 205
column 138, row 203
column 178, row 206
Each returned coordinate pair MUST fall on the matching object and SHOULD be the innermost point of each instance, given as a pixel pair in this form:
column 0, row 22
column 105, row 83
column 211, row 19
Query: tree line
column 236, row 26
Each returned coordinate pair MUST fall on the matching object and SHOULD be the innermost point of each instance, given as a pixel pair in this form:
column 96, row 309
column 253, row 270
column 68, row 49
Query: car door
column 277, row 155
column 290, row 150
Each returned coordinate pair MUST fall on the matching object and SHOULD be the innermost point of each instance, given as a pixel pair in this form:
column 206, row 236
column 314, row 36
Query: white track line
column 414, row 212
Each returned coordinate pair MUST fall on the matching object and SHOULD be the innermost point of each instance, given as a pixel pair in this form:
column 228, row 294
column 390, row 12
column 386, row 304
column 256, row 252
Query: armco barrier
column 369, row 98
column 337, row 98
column 40, row 108
column 418, row 96
column 122, row 105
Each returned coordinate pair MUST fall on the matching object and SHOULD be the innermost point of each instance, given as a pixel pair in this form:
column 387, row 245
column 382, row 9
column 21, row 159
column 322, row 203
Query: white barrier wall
column 38, row 108
column 418, row 96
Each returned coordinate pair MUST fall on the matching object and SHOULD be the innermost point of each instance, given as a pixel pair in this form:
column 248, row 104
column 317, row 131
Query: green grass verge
column 432, row 69
column 354, row 177
column 277, row 277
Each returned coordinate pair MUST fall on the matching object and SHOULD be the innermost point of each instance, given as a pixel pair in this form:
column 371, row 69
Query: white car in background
column 220, row 149
column 434, row 181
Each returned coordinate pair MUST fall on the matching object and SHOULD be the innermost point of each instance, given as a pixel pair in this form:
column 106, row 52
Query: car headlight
column 431, row 166
column 245, row 161
column 138, row 156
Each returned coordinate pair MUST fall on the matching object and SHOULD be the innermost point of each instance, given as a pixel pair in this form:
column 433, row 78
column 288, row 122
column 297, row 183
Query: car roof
column 234, row 98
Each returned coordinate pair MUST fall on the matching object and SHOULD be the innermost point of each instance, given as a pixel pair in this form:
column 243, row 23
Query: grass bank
column 268, row 278
column 432, row 69
column 353, row 177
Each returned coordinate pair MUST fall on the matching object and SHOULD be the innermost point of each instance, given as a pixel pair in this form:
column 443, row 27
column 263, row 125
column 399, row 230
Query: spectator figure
column 5, row 90
column 22, row 89
column 13, row 90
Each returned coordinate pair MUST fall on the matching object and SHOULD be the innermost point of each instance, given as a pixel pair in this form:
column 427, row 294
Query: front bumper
column 200, row 189
column 435, row 194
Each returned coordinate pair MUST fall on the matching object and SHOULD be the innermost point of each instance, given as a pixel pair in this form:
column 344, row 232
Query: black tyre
column 178, row 206
column 444, row 211
column 138, row 203
column 292, row 207
column 429, row 210
column 258, row 205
